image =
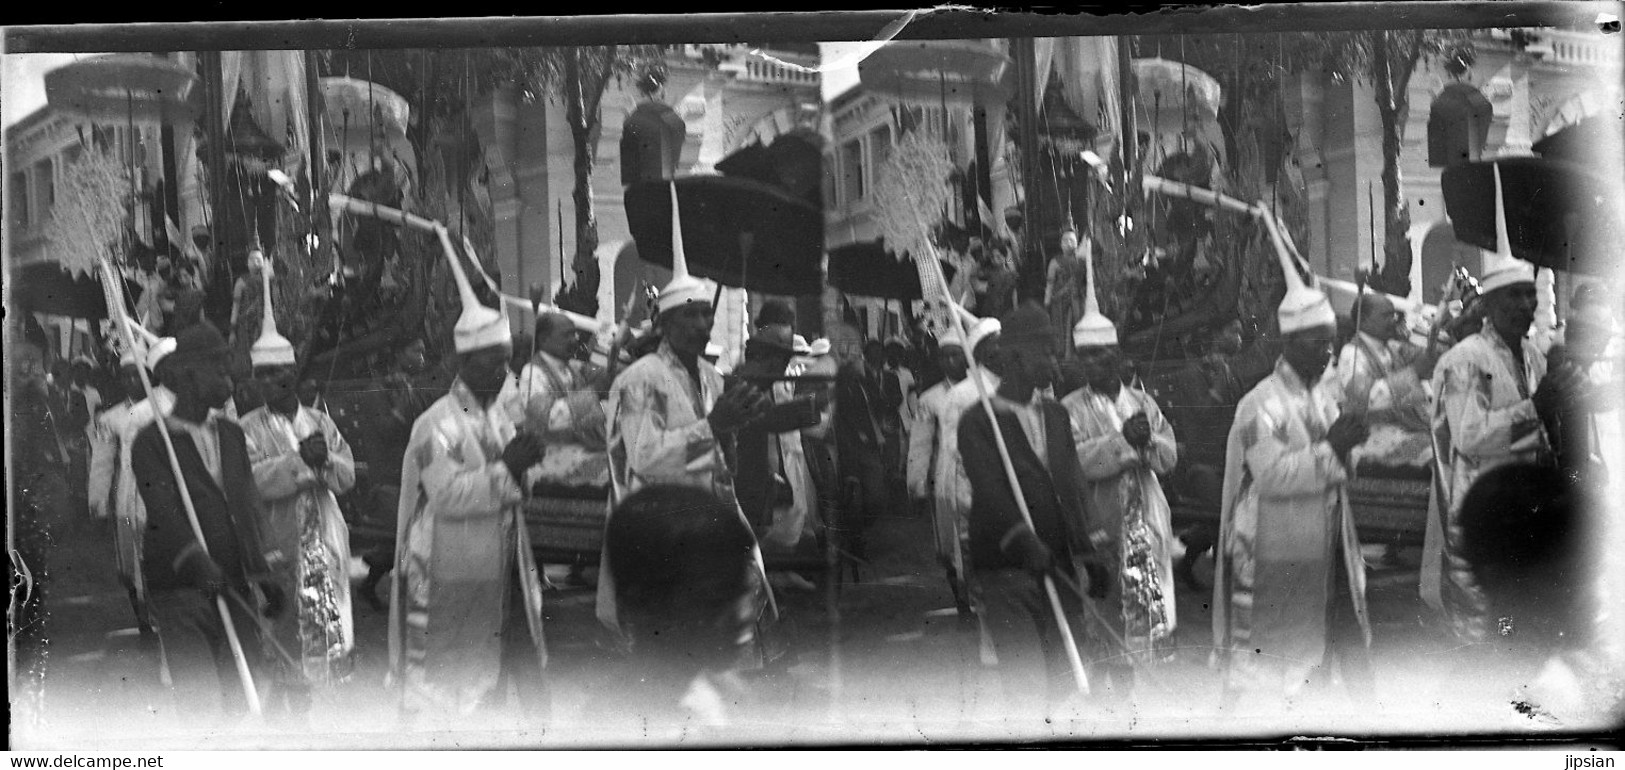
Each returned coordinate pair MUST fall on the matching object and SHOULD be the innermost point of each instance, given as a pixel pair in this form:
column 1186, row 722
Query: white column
column 1519, row 136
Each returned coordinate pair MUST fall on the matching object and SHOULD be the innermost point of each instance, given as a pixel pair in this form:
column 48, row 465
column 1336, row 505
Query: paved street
column 906, row 671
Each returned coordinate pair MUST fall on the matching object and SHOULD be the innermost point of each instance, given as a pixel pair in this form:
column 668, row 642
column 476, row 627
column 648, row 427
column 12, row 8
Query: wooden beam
column 947, row 23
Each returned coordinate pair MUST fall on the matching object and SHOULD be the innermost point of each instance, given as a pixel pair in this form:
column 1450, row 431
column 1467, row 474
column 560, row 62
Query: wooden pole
column 1129, row 142
column 1035, row 231
column 214, row 132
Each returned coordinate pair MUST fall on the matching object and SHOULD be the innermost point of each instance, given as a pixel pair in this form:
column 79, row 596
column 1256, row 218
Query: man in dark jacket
column 184, row 576
column 866, row 401
column 1009, row 556
column 761, row 482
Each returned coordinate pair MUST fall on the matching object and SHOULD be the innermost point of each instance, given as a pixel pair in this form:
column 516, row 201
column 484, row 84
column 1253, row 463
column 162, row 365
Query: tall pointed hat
column 271, row 349
column 1094, row 329
column 479, row 326
column 683, row 288
column 1501, row 269
column 1304, row 306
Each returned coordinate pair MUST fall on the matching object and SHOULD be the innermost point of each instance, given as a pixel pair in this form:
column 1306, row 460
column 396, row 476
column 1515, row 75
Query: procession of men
column 1045, row 496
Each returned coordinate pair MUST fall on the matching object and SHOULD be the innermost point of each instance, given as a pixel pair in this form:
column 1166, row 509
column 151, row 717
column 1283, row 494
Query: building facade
column 725, row 106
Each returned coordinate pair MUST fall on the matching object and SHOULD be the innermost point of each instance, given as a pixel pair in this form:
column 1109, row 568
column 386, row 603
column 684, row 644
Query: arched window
column 651, row 143
column 1458, row 125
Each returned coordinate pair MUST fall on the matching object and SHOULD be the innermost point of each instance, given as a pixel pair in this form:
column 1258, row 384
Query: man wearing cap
column 300, row 463
column 466, row 602
column 925, row 457
column 774, row 485
column 1010, row 554
column 183, row 575
column 1590, row 388
column 1124, row 446
column 815, row 440
column 112, row 484
column 952, row 492
column 1289, row 583
column 1492, row 390
column 1379, row 375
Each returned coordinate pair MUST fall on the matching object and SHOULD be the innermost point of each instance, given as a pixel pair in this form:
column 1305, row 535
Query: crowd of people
column 1044, row 485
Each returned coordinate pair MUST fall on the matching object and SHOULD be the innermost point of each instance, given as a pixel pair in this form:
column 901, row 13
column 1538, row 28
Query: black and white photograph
column 913, row 378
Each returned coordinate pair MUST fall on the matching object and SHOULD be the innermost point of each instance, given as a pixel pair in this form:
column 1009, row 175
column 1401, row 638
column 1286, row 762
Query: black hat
column 1027, row 326
column 198, row 343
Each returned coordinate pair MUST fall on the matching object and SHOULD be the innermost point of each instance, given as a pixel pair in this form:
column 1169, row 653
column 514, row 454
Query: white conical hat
column 950, row 338
column 1094, row 329
column 271, row 349
column 1501, row 269
column 683, row 288
column 479, row 326
column 1303, row 307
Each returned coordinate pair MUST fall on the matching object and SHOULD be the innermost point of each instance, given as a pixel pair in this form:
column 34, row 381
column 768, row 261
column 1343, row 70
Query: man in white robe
column 113, row 492
column 1124, row 446
column 952, row 492
column 1490, row 386
column 1289, row 582
column 924, row 451
column 466, row 600
column 300, row 463
column 670, row 416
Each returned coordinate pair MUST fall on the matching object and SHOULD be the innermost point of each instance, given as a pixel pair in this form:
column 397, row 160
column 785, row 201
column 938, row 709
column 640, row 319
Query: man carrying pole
column 213, row 494
column 1025, row 533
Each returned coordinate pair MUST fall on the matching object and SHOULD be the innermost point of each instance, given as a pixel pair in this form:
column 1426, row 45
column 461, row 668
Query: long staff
column 1079, row 675
column 115, row 305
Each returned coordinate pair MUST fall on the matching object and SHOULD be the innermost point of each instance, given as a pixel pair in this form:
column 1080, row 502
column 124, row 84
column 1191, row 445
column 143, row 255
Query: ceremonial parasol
column 938, row 69
column 794, row 161
column 124, row 87
column 868, row 269
column 1172, row 83
column 1559, row 215
column 737, row 232
column 45, row 287
column 364, row 117
column 1596, row 141
column 360, row 98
